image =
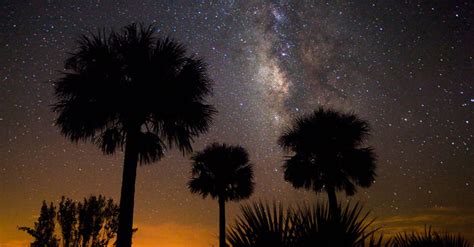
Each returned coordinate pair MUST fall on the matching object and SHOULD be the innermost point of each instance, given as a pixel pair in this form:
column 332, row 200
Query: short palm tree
column 132, row 91
column 326, row 153
column 223, row 172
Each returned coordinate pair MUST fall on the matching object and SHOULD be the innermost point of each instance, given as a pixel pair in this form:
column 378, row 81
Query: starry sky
column 404, row 66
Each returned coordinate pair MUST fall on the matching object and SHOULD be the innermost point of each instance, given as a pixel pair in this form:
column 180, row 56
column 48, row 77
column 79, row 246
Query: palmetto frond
column 429, row 238
column 317, row 226
column 359, row 164
column 261, row 224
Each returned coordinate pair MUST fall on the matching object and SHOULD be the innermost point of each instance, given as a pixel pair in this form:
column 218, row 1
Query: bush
column 262, row 225
column 429, row 238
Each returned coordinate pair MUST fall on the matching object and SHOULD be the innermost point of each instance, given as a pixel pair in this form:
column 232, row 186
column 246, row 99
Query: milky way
column 405, row 67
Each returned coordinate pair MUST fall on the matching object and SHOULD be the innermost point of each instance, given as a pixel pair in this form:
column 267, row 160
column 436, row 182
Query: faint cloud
column 455, row 220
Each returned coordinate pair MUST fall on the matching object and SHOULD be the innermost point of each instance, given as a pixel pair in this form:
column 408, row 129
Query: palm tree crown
column 222, row 171
column 130, row 90
column 132, row 81
column 327, row 153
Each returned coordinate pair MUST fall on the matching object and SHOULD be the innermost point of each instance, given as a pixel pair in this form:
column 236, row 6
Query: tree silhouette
column 223, row 172
column 97, row 218
column 131, row 91
column 67, row 221
column 93, row 222
column 43, row 231
column 327, row 155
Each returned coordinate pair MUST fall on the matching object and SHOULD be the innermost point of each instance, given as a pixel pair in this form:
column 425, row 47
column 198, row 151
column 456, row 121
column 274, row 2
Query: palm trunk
column 222, row 223
column 127, row 195
column 85, row 240
column 332, row 200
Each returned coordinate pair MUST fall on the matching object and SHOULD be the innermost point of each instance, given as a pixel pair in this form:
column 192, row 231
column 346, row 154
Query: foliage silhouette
column 67, row 221
column 263, row 225
column 377, row 241
column 98, row 221
column 43, row 230
column 224, row 173
column 429, row 239
column 327, row 155
column 93, row 222
column 132, row 91
column 318, row 226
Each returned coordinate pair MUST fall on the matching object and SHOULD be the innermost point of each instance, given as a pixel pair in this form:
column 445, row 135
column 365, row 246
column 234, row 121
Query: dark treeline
column 131, row 91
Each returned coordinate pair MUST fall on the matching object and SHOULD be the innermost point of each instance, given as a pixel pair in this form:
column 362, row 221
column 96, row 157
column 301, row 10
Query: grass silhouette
column 429, row 238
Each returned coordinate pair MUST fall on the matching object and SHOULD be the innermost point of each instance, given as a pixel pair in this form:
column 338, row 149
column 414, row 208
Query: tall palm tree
column 132, row 91
column 327, row 153
column 223, row 172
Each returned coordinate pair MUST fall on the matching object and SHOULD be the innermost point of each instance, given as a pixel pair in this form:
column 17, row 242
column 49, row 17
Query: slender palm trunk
column 85, row 240
column 332, row 200
column 222, row 223
column 127, row 195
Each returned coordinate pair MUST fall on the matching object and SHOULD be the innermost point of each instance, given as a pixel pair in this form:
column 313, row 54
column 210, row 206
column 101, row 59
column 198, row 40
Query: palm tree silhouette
column 223, row 172
column 327, row 155
column 131, row 91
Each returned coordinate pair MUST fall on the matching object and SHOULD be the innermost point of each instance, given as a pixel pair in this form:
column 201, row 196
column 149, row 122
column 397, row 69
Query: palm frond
column 150, row 148
column 262, row 225
column 318, row 226
column 429, row 238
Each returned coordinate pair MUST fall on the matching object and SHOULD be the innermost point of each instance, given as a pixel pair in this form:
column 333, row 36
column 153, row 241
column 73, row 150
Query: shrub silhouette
column 429, row 238
column 133, row 91
column 326, row 153
column 318, row 226
column 43, row 230
column 263, row 225
column 224, row 173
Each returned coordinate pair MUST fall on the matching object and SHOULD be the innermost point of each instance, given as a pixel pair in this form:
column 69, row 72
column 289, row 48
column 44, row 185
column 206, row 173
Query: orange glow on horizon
column 166, row 234
column 172, row 234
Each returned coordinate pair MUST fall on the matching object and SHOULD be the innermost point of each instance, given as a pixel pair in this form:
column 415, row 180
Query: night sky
column 404, row 66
